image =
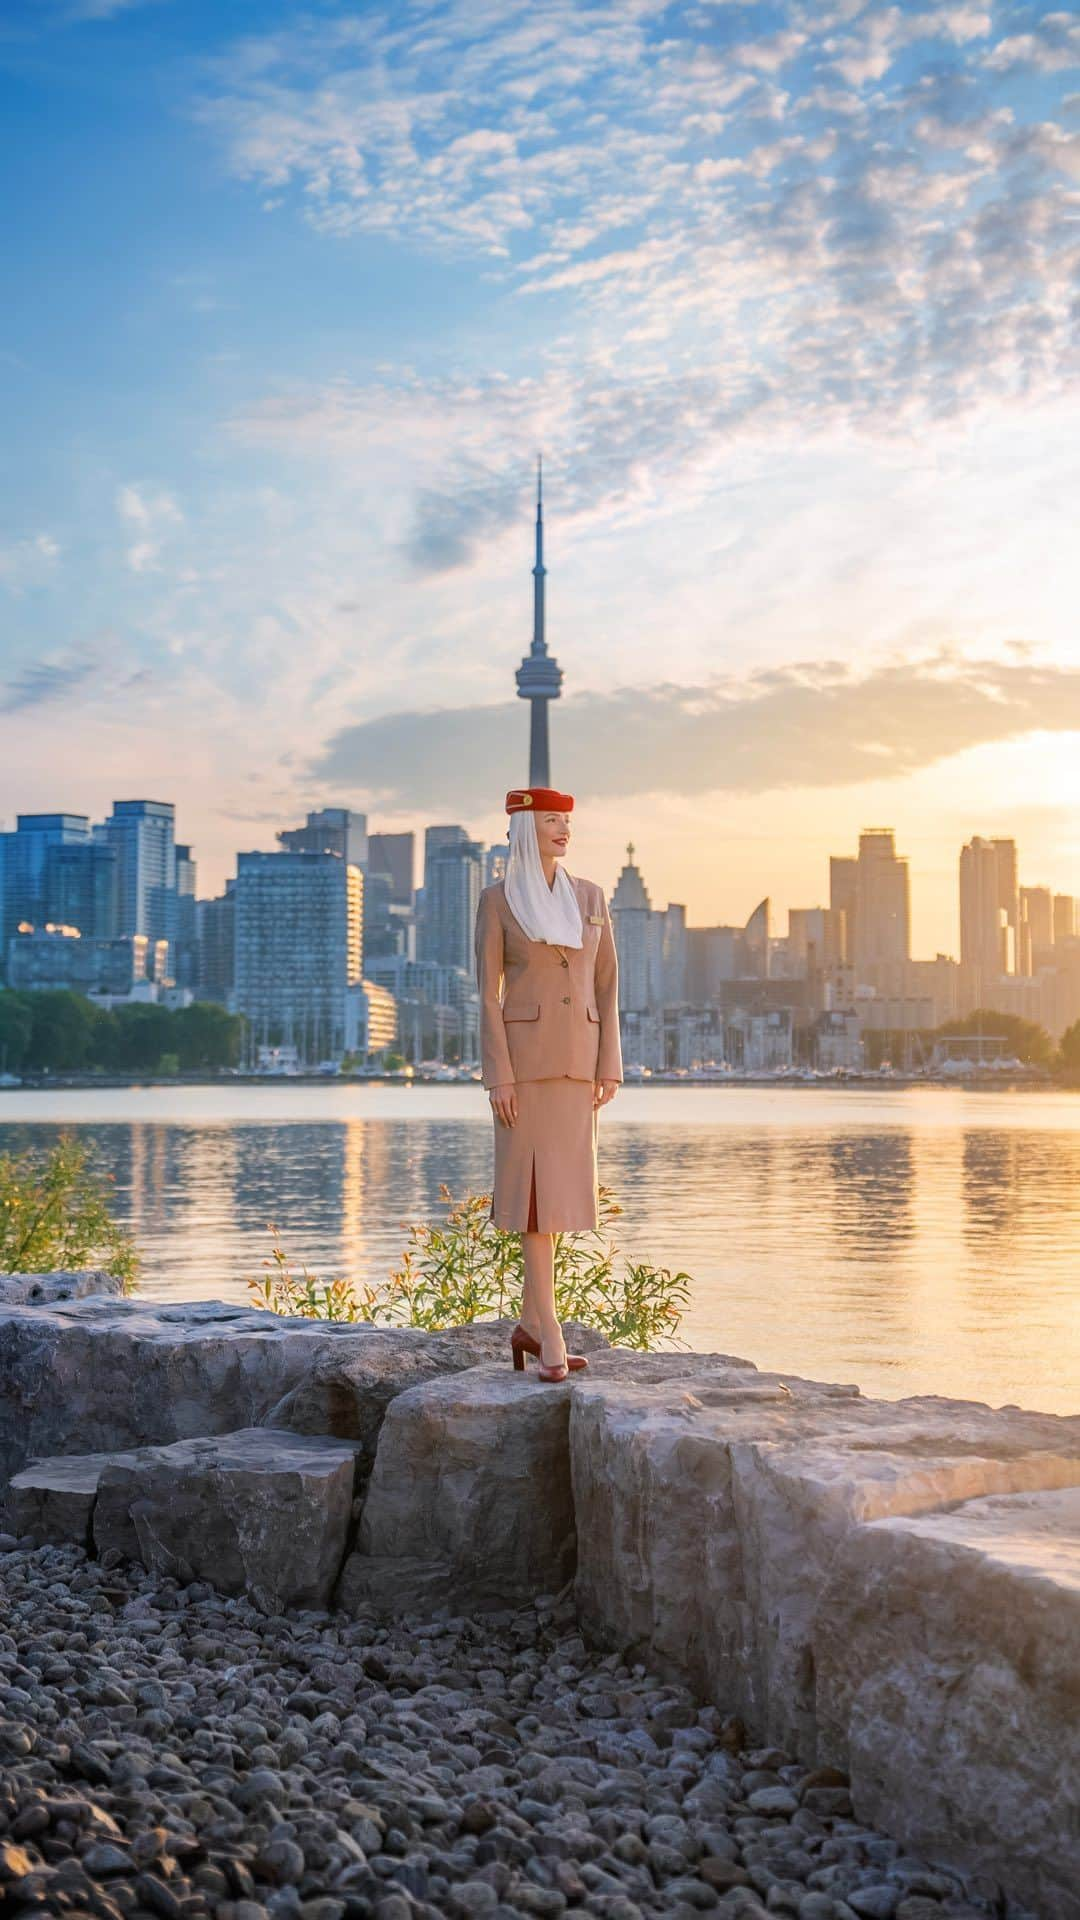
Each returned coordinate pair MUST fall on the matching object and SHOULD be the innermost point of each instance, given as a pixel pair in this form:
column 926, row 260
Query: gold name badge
column 596, row 919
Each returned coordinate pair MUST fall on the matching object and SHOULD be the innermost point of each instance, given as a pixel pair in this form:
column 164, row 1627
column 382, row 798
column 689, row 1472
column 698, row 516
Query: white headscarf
column 543, row 913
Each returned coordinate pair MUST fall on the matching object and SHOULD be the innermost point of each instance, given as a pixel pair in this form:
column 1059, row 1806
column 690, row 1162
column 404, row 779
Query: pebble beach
column 167, row 1752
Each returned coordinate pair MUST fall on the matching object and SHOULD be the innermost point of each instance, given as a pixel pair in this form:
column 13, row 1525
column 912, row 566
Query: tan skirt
column 545, row 1164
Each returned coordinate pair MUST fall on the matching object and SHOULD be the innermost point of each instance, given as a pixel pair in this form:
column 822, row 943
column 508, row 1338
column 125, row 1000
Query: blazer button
column 565, row 962
column 566, row 999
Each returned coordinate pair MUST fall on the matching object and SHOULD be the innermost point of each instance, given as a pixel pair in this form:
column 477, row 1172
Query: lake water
column 913, row 1240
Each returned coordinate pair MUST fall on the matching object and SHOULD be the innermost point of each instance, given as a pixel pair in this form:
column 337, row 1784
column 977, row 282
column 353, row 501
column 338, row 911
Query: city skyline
column 784, row 295
column 350, row 836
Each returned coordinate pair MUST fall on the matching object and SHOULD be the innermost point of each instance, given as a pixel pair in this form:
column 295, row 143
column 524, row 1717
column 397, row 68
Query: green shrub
column 467, row 1269
column 55, row 1212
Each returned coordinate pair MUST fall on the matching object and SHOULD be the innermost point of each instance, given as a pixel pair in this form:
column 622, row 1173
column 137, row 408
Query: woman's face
column 553, row 834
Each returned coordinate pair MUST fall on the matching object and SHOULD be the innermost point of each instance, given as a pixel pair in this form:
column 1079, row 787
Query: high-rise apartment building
column 882, row 902
column 1064, row 917
column 298, row 946
column 24, row 860
column 631, row 920
column 453, row 877
column 143, row 834
column 984, row 930
column 843, row 899
column 81, row 888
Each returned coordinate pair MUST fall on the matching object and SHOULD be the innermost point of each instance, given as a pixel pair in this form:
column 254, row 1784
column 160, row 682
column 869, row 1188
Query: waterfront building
column 984, row 933
column 57, row 958
column 837, row 1042
column 1036, row 928
column 438, row 1007
column 186, row 953
column 24, row 858
column 673, row 952
column 143, row 834
column 539, row 677
column 635, row 941
column 81, row 887
column 882, row 902
column 298, row 944
column 843, row 901
column 495, row 863
column 453, row 876
column 371, row 1020
column 215, row 922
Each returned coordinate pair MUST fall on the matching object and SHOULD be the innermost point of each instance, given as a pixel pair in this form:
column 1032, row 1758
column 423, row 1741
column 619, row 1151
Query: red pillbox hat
column 548, row 799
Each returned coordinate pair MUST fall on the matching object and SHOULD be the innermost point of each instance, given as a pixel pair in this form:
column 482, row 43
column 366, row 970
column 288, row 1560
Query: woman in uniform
column 550, row 1052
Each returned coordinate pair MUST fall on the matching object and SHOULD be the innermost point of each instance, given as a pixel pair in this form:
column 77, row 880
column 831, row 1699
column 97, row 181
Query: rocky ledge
column 885, row 1596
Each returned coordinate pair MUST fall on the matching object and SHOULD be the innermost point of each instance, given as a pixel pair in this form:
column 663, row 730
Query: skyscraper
column 983, row 925
column 298, row 949
column 143, row 834
column 843, row 898
column 24, row 866
column 631, row 921
column 80, row 887
column 882, row 910
column 539, row 677
column 330, row 830
column 394, row 854
column 453, row 877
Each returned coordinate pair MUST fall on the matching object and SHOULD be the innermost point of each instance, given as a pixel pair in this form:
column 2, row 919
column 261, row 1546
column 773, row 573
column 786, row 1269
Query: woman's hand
column 603, row 1091
column 504, row 1103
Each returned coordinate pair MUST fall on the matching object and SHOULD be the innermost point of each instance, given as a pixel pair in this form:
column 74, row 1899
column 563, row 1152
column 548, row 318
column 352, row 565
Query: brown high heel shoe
column 523, row 1342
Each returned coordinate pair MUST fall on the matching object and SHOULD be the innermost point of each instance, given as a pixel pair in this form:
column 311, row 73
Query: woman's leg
column 538, row 1297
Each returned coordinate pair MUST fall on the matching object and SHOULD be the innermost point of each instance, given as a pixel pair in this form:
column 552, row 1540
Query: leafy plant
column 466, row 1268
column 56, row 1213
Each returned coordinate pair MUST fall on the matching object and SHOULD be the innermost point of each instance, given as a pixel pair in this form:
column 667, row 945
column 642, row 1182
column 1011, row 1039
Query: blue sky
column 790, row 296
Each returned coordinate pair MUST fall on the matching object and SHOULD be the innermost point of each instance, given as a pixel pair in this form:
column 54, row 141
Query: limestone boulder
column 257, row 1511
column 948, row 1682
column 103, row 1375
column 470, row 1497
column 708, row 1523
column 53, row 1500
column 41, row 1289
column 348, row 1390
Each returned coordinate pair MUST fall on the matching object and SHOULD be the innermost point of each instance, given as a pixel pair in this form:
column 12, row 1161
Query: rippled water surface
column 912, row 1240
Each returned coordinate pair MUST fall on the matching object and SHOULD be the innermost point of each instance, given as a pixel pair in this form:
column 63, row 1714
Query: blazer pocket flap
column 593, row 1012
column 523, row 1010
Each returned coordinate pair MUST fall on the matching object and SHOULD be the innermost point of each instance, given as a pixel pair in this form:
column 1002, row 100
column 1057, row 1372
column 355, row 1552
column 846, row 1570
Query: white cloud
column 150, row 515
column 28, row 562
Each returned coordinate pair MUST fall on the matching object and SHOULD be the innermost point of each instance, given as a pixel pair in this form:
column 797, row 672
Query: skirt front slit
column 546, row 1178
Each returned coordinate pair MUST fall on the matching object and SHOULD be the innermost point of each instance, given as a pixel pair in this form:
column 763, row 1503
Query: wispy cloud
column 815, row 724
column 150, row 516
column 849, row 217
column 44, row 682
column 27, row 563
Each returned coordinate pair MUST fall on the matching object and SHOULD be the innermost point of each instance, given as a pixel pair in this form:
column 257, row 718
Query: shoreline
column 984, row 1082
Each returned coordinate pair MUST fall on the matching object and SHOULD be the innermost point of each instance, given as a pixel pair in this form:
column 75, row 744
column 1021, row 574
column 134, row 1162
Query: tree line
column 63, row 1032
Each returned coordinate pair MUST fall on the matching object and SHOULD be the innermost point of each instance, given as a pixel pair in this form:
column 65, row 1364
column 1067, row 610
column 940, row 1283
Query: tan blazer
column 546, row 1011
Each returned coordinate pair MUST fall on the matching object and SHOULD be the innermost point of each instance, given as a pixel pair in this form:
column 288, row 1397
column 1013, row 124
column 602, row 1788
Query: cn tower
column 539, row 677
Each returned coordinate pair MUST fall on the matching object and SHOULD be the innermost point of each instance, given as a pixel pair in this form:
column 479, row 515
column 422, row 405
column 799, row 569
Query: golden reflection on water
column 914, row 1241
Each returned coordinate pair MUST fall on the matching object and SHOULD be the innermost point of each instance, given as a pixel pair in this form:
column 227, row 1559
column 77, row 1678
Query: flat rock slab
column 256, row 1511
column 105, row 1375
column 949, row 1683
column 53, row 1500
column 470, row 1497
column 708, row 1521
column 42, row 1289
